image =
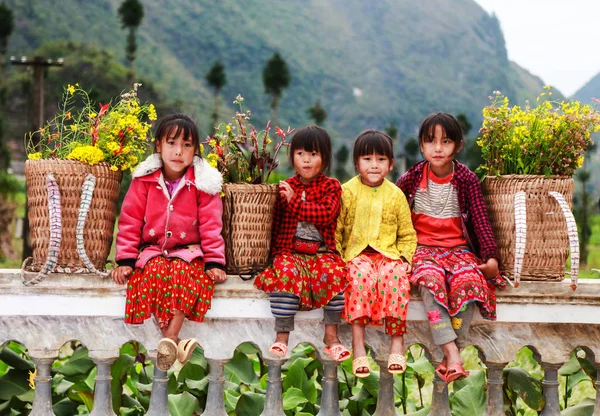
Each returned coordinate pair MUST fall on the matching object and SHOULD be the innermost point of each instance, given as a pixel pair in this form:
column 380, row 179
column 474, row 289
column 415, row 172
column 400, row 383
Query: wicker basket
column 100, row 222
column 547, row 240
column 247, row 220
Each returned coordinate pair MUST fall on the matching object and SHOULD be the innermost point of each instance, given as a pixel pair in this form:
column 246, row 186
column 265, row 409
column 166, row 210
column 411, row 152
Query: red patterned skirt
column 315, row 279
column 452, row 276
column 164, row 286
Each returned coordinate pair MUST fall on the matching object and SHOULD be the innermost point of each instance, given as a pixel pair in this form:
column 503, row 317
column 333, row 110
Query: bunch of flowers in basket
column 549, row 139
column 114, row 133
column 242, row 153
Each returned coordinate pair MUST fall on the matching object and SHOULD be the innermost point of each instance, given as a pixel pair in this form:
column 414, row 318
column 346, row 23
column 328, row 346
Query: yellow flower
column 248, row 179
column 34, row 156
column 73, row 127
column 71, row 89
column 32, row 376
column 201, row 148
column 580, row 160
column 151, row 112
column 87, row 154
column 114, row 168
column 228, row 128
column 93, row 115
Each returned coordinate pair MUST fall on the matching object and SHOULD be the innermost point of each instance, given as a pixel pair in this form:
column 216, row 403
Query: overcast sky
column 557, row 40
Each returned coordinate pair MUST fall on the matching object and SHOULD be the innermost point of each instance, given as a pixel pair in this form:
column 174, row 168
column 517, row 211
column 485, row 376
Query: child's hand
column 286, row 190
column 216, row 274
column 489, row 268
column 120, row 274
column 407, row 267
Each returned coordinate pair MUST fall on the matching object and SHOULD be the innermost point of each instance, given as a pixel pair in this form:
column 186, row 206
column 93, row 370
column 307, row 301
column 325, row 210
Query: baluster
column 42, row 400
column 550, row 386
column 102, row 393
column 215, row 404
column 385, row 399
column 495, row 399
column 330, row 404
column 159, row 399
column 439, row 401
column 273, row 400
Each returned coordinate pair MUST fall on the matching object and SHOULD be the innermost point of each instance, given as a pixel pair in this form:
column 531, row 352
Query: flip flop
column 166, row 354
column 397, row 359
column 361, row 362
column 456, row 372
column 279, row 349
column 185, row 349
column 337, row 352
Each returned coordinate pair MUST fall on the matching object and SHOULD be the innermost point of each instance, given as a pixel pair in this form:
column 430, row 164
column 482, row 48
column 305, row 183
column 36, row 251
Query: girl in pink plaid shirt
column 456, row 262
column 307, row 271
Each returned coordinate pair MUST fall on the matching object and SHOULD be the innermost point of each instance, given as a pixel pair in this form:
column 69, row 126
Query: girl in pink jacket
column 169, row 245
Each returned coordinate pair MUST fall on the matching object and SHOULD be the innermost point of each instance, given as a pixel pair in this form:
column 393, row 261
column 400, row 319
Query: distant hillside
column 589, row 90
column 368, row 62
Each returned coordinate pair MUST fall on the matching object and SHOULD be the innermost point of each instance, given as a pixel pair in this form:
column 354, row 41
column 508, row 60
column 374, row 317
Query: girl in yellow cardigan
column 376, row 238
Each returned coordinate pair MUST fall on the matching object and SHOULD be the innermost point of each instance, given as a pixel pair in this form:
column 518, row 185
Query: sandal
column 279, row 349
column 338, row 352
column 399, row 360
column 166, row 354
column 185, row 349
column 456, row 372
column 441, row 370
column 361, row 362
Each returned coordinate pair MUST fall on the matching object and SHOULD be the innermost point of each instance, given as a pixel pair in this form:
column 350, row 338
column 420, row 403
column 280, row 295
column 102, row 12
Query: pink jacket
column 186, row 224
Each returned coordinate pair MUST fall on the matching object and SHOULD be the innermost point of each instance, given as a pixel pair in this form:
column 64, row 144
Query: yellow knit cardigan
column 377, row 217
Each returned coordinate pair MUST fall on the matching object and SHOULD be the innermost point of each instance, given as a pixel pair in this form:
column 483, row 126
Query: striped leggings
column 285, row 305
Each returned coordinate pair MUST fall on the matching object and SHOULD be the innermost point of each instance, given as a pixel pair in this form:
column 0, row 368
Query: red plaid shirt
column 474, row 216
column 321, row 208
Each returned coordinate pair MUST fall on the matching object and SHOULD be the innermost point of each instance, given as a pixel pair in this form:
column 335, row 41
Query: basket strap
column 573, row 236
column 54, row 213
column 87, row 194
column 254, row 272
column 520, row 234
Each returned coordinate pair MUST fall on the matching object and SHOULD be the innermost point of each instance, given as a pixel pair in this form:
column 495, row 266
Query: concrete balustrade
column 547, row 316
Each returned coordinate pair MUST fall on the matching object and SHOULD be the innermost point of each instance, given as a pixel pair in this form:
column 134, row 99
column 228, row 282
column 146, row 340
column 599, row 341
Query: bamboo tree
column 132, row 14
column 276, row 77
column 317, row 113
column 217, row 79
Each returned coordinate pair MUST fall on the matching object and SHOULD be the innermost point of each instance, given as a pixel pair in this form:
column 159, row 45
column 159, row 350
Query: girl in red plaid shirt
column 456, row 262
column 307, row 271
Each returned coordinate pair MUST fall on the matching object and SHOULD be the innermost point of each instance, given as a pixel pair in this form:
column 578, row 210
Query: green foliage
column 6, row 26
column 216, row 77
column 341, row 161
column 317, row 113
column 131, row 13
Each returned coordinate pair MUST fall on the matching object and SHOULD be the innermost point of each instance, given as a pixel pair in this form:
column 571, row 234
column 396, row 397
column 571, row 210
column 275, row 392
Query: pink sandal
column 279, row 349
column 456, row 372
column 337, row 352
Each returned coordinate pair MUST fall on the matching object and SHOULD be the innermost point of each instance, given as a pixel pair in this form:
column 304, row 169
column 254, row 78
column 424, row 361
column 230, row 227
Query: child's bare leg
column 172, row 330
column 358, row 345
column 451, row 353
column 331, row 335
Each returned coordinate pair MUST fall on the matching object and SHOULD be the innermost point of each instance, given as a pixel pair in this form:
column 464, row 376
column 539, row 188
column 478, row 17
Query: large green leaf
column 570, row 367
column 371, row 383
column 183, row 404
column 469, row 400
column 199, row 385
column 15, row 360
column 231, row 398
column 476, row 379
column 583, row 408
column 65, row 407
column 242, row 367
column 191, row 372
column 118, row 372
column 250, row 404
column 248, row 348
column 78, row 363
column 296, row 377
column 525, row 386
column 423, row 412
column 292, row 398
column 575, row 379
column 421, row 365
column 14, row 383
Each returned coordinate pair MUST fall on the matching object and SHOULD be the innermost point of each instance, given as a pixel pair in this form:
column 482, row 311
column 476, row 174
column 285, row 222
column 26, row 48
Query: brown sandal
column 361, row 362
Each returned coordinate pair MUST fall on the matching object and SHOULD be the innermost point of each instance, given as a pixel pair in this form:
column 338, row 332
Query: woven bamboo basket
column 247, row 221
column 100, row 222
column 547, row 242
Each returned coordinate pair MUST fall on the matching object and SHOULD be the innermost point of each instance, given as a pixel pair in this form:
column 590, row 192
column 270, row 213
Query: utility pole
column 39, row 65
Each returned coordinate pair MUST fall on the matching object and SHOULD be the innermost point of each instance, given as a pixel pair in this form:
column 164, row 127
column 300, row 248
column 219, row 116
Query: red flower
column 279, row 131
column 103, row 109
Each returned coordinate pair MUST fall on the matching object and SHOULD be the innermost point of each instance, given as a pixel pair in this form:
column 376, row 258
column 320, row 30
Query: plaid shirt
column 321, row 208
column 474, row 216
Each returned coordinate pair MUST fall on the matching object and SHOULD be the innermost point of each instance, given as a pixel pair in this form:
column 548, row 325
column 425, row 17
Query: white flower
column 182, row 235
column 152, row 232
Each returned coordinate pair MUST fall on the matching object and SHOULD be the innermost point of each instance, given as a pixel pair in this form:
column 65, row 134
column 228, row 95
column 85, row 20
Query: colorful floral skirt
column 378, row 288
column 452, row 276
column 164, row 286
column 315, row 279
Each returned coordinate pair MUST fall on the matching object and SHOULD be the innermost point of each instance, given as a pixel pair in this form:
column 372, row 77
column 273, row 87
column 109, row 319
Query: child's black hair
column 449, row 124
column 174, row 124
column 312, row 139
column 373, row 141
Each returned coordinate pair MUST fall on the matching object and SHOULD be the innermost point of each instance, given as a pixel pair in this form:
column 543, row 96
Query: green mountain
column 368, row 62
column 590, row 90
